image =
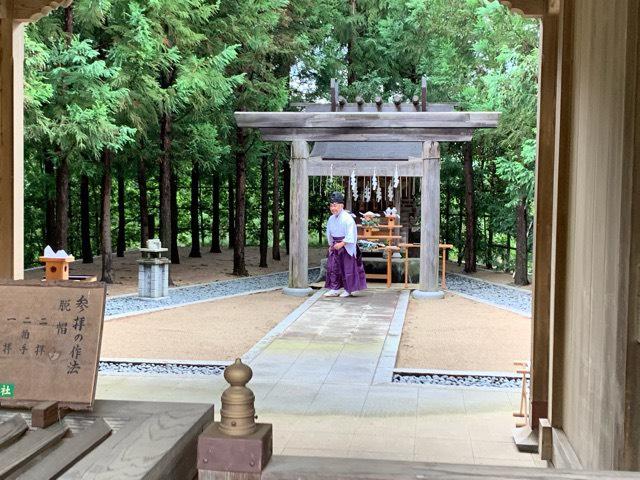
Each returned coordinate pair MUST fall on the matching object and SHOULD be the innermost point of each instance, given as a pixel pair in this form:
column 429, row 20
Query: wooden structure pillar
column 13, row 15
column 544, row 220
column 298, row 221
column 11, row 145
column 429, row 222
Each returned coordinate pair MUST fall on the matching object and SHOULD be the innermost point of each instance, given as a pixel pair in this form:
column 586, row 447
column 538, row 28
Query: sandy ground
column 216, row 330
column 459, row 334
column 210, row 267
column 495, row 276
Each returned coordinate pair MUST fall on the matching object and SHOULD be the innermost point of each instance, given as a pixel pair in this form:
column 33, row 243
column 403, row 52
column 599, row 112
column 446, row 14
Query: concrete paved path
column 319, row 383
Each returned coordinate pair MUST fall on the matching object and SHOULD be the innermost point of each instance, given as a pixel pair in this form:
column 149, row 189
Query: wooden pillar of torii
column 429, row 222
column 13, row 15
column 298, row 221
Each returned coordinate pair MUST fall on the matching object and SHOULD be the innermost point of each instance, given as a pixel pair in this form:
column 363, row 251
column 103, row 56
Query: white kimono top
column 343, row 225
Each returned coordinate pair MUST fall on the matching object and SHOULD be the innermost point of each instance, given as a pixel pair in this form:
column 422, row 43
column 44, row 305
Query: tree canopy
column 152, row 85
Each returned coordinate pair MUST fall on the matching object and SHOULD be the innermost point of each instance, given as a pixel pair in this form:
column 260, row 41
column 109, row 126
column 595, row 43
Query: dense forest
column 129, row 130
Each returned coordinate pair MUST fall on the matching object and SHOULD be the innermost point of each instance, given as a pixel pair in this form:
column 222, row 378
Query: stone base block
column 219, row 452
column 297, row 292
column 422, row 295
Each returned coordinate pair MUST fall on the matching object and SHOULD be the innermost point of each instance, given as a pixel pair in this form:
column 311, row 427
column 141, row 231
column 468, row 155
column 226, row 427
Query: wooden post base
column 222, row 453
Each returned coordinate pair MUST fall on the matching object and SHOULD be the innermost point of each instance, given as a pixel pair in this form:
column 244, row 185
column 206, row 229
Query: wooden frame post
column 11, row 146
column 429, row 222
column 298, row 221
column 541, row 325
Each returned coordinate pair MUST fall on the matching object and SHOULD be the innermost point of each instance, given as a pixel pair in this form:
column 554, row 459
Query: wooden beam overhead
column 32, row 10
column 366, row 135
column 368, row 120
column 527, row 8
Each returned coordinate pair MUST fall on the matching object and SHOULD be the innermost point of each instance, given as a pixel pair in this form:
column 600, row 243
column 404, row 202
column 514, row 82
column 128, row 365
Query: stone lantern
column 153, row 271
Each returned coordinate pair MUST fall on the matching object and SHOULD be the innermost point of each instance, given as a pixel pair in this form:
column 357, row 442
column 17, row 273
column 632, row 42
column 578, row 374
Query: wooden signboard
column 50, row 335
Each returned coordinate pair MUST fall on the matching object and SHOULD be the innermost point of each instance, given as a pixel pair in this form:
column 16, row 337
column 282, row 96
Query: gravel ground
column 511, row 298
column 110, row 368
column 459, row 380
column 183, row 295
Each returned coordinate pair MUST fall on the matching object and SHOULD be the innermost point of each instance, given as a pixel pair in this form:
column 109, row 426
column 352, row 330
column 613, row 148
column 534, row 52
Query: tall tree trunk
column 165, row 180
column 460, row 240
column 275, row 215
column 143, row 204
column 195, row 220
column 522, row 266
column 447, row 218
column 175, row 253
column 85, row 219
column 62, row 173
column 50, row 205
column 287, row 202
column 351, row 76
column 72, row 238
column 121, row 244
column 215, row 214
column 62, row 204
column 489, row 260
column 152, row 226
column 507, row 264
column 105, row 224
column 264, row 210
column 239, row 267
column 231, row 197
column 470, row 245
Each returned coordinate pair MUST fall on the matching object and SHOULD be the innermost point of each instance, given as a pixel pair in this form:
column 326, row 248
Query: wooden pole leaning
column 429, row 223
column 298, row 221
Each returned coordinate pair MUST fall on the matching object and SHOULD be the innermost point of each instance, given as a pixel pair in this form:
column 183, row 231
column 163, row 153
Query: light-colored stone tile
column 445, row 426
column 385, row 442
column 386, row 425
column 306, row 452
column 404, row 456
column 342, row 424
column 320, row 441
column 479, row 401
column 538, row 462
column 443, row 450
column 432, row 400
column 505, row 463
column 491, row 429
column 280, row 439
column 499, row 451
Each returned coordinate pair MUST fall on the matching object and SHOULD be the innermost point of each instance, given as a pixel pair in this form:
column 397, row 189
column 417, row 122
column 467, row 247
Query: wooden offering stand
column 57, row 268
column 369, row 233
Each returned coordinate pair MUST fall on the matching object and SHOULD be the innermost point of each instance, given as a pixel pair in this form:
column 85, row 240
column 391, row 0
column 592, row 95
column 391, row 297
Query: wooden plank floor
column 150, row 440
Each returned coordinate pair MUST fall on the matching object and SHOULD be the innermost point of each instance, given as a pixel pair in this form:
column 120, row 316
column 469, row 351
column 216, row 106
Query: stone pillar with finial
column 236, row 444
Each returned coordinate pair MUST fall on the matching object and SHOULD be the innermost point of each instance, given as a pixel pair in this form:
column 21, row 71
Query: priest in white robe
column 344, row 261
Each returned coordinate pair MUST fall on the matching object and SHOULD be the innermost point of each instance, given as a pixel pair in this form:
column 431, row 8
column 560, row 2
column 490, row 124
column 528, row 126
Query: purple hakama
column 344, row 267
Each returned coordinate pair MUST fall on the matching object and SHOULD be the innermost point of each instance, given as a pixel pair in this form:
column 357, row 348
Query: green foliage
column 131, row 61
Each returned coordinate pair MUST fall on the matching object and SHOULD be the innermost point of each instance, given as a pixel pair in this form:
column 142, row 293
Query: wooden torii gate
column 365, row 123
column 13, row 15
